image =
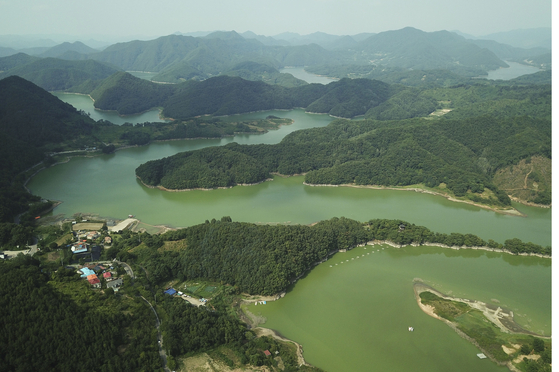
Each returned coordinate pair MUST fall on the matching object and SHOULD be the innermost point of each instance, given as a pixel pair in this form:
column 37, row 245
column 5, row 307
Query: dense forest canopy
column 427, row 119
column 225, row 95
column 265, row 259
column 462, row 150
column 45, row 329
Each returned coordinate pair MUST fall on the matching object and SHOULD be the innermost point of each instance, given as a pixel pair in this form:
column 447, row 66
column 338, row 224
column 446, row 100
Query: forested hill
column 127, row 94
column 415, row 49
column 57, row 74
column 266, row 259
column 31, row 115
column 226, row 95
column 183, row 57
column 32, row 121
column 461, row 153
column 176, row 56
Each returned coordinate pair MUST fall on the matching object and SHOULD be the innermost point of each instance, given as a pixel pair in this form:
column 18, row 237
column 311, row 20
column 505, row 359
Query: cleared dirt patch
column 88, row 226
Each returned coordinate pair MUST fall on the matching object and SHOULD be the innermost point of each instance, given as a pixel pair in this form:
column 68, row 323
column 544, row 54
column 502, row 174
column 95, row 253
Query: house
column 107, row 275
column 94, row 281
column 79, row 247
column 92, row 235
column 95, row 268
column 267, row 353
column 115, row 284
column 170, row 291
column 108, row 240
column 86, row 272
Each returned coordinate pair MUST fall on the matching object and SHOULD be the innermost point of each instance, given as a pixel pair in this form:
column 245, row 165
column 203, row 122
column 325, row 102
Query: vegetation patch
column 444, row 308
column 524, row 351
column 529, row 180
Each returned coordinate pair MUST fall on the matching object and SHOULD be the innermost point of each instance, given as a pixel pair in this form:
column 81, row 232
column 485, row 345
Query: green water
column 353, row 316
column 83, row 102
column 109, row 188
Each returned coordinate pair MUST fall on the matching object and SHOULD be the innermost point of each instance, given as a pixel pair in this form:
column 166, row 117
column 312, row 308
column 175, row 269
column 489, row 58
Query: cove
column 352, row 312
column 85, row 103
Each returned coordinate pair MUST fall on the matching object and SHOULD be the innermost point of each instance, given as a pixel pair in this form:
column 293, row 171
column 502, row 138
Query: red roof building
column 106, row 275
column 93, row 279
column 267, row 353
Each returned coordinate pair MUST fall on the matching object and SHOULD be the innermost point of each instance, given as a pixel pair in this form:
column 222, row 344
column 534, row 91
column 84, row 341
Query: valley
column 272, row 231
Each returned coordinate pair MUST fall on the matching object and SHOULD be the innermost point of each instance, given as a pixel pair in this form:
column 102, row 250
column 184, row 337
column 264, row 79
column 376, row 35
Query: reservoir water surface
column 354, row 315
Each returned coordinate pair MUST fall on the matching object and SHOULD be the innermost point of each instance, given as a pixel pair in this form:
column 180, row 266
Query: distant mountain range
column 53, row 74
column 407, row 56
column 285, row 49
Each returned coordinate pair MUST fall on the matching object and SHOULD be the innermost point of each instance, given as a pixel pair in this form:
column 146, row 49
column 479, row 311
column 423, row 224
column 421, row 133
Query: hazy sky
column 125, row 18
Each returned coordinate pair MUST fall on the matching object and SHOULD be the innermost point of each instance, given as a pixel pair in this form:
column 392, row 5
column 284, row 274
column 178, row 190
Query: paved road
column 128, row 269
column 162, row 353
column 30, row 251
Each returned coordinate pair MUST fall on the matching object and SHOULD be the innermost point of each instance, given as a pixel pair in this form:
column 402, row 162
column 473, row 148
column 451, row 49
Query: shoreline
column 200, row 188
column 116, row 111
column 455, row 247
column 261, row 331
column 493, row 313
column 420, row 287
column 429, row 310
column 252, row 321
column 510, row 212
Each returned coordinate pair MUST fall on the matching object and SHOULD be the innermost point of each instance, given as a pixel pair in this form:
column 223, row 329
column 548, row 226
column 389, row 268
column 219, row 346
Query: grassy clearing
column 172, row 246
column 444, row 308
column 529, row 180
column 62, row 240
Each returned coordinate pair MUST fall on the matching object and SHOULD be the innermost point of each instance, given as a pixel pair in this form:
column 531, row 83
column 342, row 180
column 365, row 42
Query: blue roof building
column 170, row 291
column 86, row 271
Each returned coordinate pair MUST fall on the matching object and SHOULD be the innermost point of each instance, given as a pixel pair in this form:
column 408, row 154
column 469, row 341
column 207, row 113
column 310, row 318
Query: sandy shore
column 455, row 247
column 501, row 318
column 260, row 331
column 253, row 322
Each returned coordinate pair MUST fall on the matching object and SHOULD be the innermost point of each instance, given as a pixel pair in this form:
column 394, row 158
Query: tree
column 539, row 345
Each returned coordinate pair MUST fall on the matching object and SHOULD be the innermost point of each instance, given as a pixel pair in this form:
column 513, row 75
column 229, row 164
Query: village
column 84, row 249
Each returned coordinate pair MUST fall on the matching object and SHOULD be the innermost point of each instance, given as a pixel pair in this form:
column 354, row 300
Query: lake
column 352, row 316
column 352, row 312
column 513, row 71
column 300, row 73
column 85, row 103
